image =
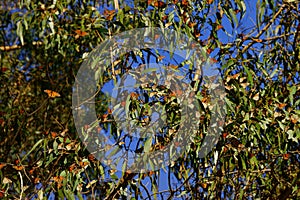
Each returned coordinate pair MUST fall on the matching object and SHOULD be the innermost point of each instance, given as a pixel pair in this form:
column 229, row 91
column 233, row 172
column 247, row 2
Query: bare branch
column 264, row 29
column 15, row 47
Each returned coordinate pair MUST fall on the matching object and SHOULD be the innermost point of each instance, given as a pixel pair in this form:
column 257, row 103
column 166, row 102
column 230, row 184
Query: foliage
column 43, row 44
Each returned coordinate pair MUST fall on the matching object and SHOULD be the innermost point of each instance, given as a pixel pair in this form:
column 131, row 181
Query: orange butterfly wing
column 52, row 94
column 159, row 4
column 18, row 168
column 81, row 33
column 2, row 165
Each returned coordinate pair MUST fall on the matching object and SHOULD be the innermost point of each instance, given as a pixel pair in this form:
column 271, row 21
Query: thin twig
column 30, row 114
column 114, row 194
column 264, row 29
column 22, row 187
column 169, row 184
column 87, row 100
column 278, row 37
column 116, row 4
column 97, row 32
column 111, row 58
column 15, row 47
column 145, row 188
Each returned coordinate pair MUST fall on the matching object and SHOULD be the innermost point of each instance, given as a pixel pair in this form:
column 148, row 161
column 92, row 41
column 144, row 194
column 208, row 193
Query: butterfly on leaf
column 52, row 94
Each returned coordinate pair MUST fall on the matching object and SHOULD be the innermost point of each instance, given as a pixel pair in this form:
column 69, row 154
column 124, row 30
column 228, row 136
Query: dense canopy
column 255, row 46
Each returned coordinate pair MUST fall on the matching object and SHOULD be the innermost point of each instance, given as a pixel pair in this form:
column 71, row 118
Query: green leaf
column 33, row 148
column 228, row 64
column 253, row 161
column 114, row 177
column 61, row 194
column 124, row 166
column 79, row 196
column 292, row 90
column 69, row 194
column 55, row 147
column 249, row 75
column 291, row 136
column 229, row 104
column 127, row 111
column 50, row 159
column 242, row 191
column 148, row 144
column 149, row 70
column 281, row 125
column 20, row 31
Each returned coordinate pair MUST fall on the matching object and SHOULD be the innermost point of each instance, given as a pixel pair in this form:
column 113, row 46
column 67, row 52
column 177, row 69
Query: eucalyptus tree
column 256, row 48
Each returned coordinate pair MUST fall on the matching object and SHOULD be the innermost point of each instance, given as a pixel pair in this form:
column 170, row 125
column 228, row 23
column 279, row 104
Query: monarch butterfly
column 281, row 105
column 91, row 158
column 18, row 168
column 81, row 33
column 159, row 4
column 58, row 179
column 109, row 14
column 160, row 58
column 2, row 165
column 83, row 164
column 286, row 156
column 52, row 94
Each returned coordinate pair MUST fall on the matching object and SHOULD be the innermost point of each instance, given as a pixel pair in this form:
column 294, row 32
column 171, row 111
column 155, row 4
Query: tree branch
column 264, row 29
column 15, row 47
column 114, row 194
